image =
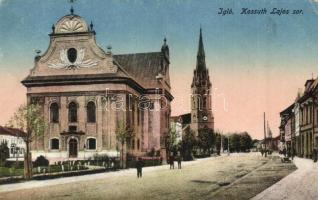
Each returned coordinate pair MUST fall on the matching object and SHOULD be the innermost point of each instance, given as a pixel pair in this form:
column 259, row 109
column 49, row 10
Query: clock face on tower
column 205, row 118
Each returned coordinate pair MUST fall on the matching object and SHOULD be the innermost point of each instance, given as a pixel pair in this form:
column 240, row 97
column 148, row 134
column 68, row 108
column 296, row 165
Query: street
column 302, row 184
column 222, row 177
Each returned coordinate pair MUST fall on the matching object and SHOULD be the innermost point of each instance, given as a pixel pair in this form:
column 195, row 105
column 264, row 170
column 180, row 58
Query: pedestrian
column 284, row 152
column 139, row 166
column 262, row 152
column 292, row 153
column 179, row 158
column 171, row 160
column 315, row 154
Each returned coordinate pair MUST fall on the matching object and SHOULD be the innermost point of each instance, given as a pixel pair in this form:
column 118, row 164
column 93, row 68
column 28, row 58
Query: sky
column 257, row 63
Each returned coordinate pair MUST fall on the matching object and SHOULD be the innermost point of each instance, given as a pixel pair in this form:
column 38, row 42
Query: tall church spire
column 201, row 54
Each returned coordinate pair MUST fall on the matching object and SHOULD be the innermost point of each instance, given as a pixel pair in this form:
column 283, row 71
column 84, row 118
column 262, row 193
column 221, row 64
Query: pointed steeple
column 201, row 54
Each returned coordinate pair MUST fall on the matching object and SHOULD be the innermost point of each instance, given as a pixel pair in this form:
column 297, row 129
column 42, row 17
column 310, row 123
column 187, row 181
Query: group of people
column 172, row 159
column 140, row 163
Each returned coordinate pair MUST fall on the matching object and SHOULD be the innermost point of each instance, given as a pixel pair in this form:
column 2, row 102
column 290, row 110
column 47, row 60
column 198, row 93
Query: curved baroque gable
column 71, row 24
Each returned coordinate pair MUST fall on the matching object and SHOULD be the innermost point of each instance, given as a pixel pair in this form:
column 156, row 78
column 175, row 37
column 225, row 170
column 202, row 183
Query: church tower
column 201, row 101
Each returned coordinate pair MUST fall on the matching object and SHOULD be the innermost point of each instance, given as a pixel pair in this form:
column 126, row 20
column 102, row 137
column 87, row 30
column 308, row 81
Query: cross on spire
column 72, row 3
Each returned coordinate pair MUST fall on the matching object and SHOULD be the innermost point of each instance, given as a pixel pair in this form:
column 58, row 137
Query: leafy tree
column 218, row 143
column 188, row 144
column 235, row 142
column 245, row 141
column 206, row 140
column 124, row 133
column 28, row 118
column 172, row 144
column 224, row 142
column 240, row 142
column 4, row 152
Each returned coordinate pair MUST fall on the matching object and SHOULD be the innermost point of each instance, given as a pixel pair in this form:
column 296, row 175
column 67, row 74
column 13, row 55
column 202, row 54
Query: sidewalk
column 300, row 185
column 131, row 172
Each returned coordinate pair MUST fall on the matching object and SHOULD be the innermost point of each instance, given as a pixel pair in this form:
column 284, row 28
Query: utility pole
column 265, row 135
column 228, row 144
column 221, row 144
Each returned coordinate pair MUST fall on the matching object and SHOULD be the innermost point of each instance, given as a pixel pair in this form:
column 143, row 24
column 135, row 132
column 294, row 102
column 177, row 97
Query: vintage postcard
column 159, row 99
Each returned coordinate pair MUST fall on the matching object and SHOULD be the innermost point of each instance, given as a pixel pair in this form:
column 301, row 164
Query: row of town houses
column 299, row 122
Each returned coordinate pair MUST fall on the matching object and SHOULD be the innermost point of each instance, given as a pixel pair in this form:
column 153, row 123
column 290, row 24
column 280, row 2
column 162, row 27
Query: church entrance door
column 73, row 148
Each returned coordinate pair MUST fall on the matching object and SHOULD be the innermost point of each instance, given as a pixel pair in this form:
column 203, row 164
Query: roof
column 288, row 110
column 143, row 67
column 184, row 119
column 11, row 131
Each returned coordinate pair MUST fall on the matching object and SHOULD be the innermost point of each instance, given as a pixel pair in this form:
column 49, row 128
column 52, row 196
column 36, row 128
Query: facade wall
column 149, row 125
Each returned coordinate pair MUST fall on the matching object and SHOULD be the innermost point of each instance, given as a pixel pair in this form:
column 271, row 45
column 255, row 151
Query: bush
column 41, row 161
column 148, row 161
column 12, row 163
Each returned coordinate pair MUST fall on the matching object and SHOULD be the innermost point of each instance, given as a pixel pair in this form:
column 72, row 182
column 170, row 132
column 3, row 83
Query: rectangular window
column 55, row 144
column 91, row 143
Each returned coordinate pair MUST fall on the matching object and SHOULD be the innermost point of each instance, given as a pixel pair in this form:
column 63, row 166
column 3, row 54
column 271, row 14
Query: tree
column 28, row 118
column 123, row 134
column 171, row 140
column 218, row 143
column 245, row 141
column 206, row 140
column 235, row 142
column 240, row 142
column 4, row 152
column 188, row 144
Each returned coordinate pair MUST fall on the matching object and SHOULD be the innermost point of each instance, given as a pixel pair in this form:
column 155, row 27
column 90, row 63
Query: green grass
column 7, row 172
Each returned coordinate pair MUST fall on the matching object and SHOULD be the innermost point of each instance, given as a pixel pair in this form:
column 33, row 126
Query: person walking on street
column 179, row 160
column 262, row 152
column 139, row 166
column 171, row 160
column 315, row 154
column 292, row 153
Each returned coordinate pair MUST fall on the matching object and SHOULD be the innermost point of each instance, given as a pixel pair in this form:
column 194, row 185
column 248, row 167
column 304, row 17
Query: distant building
column 14, row 140
column 299, row 122
column 287, row 127
column 181, row 124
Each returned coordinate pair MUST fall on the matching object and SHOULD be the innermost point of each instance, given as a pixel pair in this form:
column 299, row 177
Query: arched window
column 54, row 113
column 91, row 112
column 72, row 112
column 55, row 144
column 91, row 143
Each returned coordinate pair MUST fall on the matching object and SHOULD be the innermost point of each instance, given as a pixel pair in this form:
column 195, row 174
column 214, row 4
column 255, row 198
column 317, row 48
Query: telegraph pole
column 221, row 143
column 265, row 135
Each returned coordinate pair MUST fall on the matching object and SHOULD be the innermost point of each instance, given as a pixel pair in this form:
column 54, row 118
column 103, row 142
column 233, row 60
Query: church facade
column 86, row 93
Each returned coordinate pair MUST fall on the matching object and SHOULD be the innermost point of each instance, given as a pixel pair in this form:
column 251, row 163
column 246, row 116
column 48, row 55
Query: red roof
column 11, row 131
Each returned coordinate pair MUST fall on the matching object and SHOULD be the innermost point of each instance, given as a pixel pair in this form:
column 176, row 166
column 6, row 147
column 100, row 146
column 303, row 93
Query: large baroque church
column 86, row 93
